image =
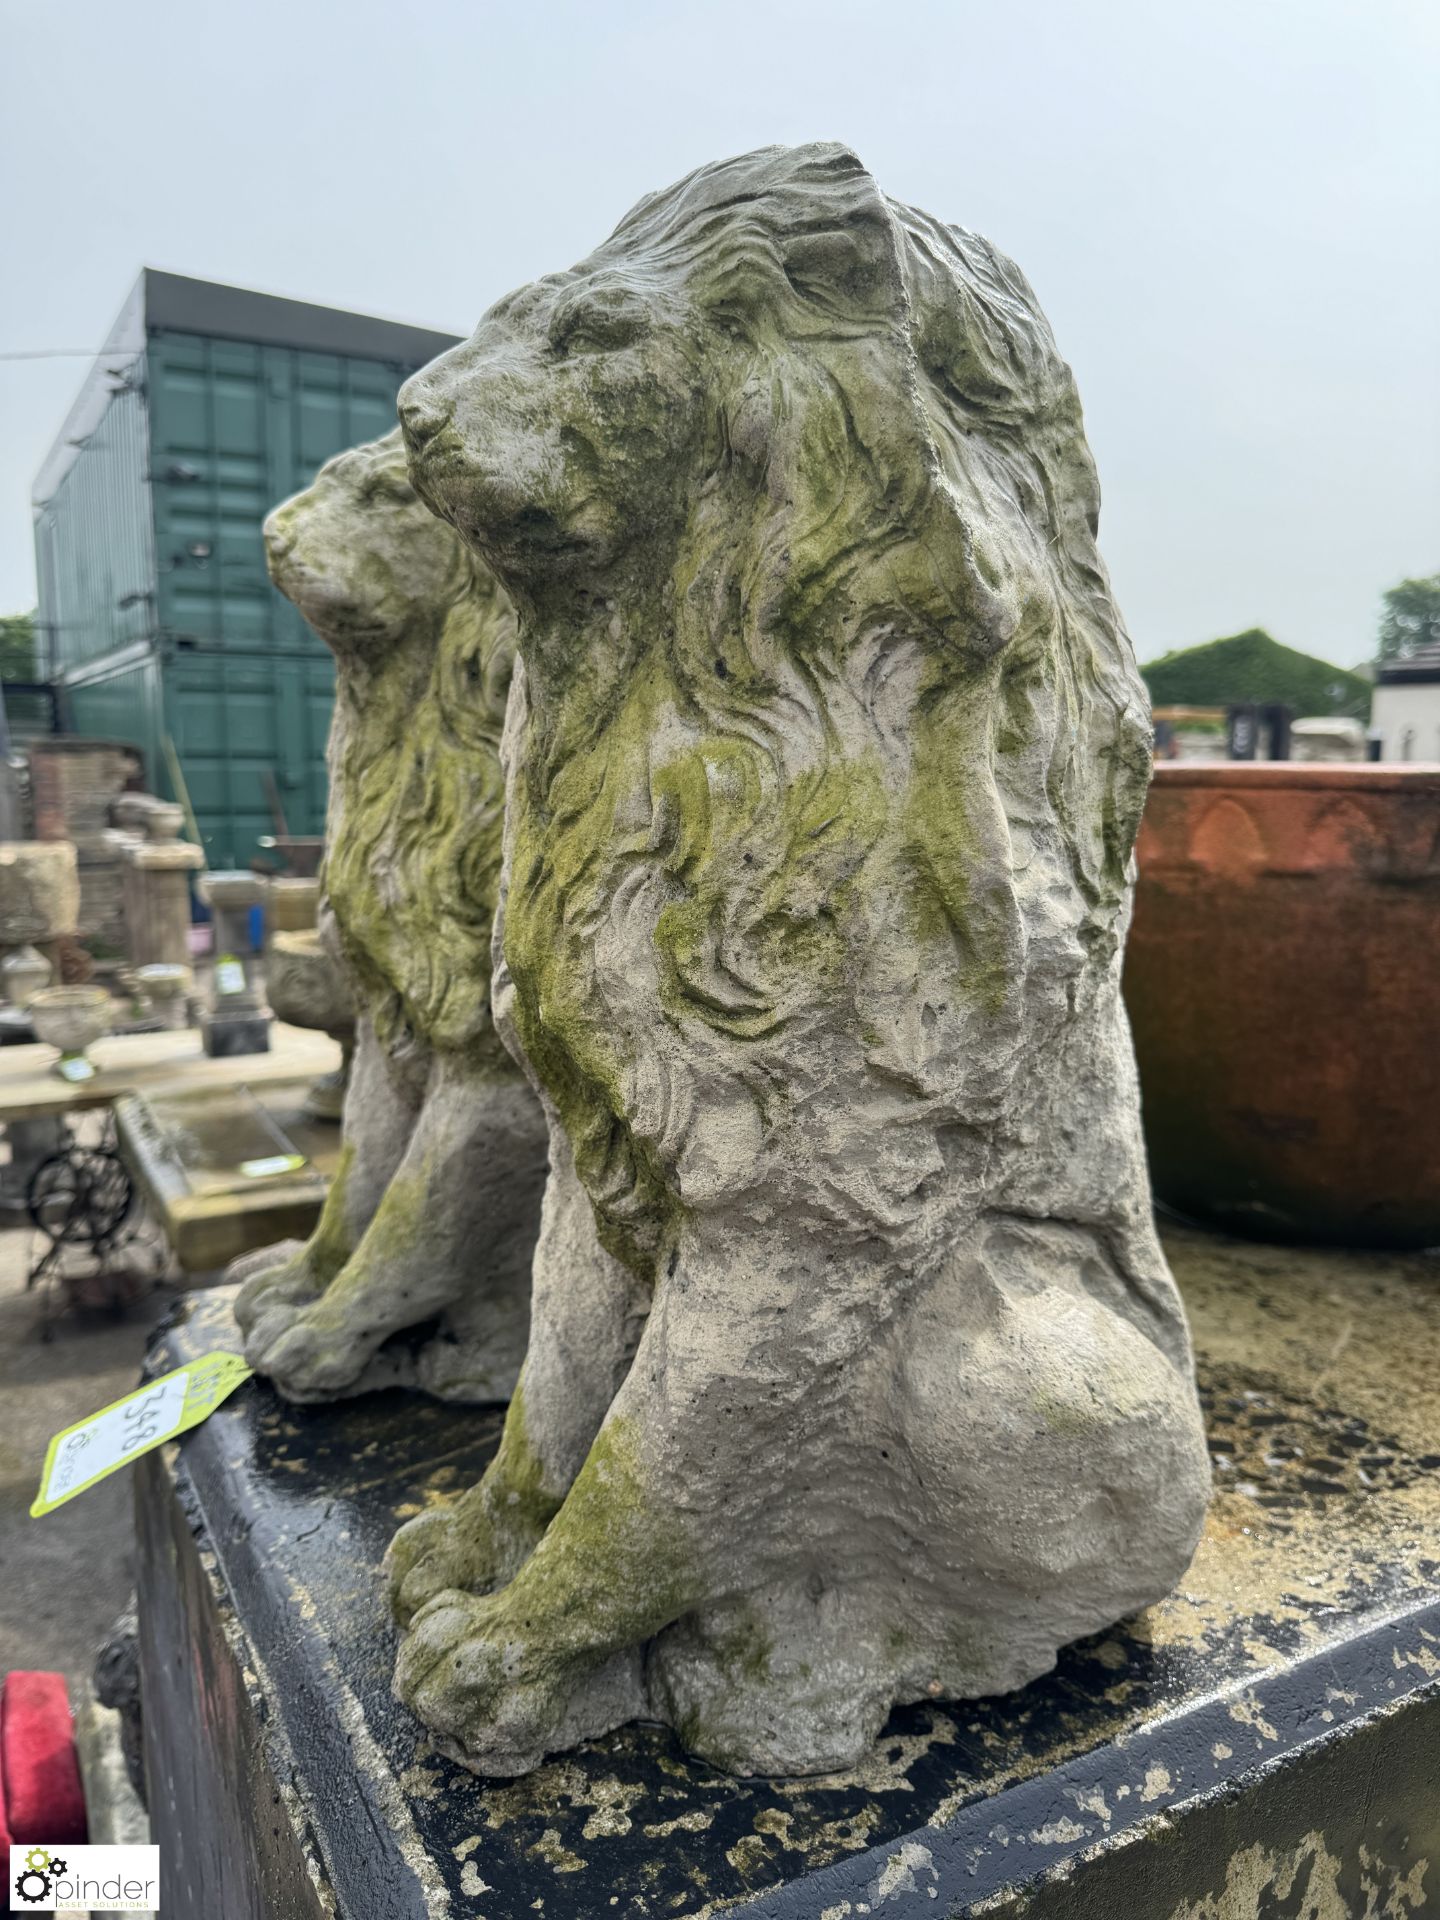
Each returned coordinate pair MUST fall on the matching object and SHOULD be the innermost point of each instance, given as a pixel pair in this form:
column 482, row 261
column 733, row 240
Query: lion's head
column 424, row 642
column 361, row 556
column 826, row 685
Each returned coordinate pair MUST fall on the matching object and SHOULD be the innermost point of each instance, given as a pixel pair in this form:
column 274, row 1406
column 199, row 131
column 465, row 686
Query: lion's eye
column 392, row 490
column 598, row 329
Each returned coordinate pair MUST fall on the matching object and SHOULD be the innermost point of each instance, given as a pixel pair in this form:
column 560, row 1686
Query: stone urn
column 1282, row 986
column 164, row 821
column 71, row 1018
column 306, row 988
column 166, row 985
column 131, row 812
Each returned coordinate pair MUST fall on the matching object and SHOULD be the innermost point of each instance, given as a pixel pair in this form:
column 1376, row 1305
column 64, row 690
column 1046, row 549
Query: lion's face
column 424, row 640
column 359, row 553
column 728, row 387
column 555, row 436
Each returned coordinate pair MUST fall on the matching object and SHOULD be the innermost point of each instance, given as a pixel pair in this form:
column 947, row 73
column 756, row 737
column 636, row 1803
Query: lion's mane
column 838, row 844
column 416, row 792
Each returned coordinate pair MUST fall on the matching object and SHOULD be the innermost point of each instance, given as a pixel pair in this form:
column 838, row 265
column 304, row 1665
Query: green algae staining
column 434, row 1212
column 856, row 1373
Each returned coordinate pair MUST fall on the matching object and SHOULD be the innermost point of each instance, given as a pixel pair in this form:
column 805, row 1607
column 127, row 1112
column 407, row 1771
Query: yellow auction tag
column 272, row 1163
column 229, row 974
column 174, row 1403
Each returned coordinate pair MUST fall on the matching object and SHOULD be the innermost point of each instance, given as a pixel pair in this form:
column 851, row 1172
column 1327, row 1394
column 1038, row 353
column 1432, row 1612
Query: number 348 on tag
column 112, row 1438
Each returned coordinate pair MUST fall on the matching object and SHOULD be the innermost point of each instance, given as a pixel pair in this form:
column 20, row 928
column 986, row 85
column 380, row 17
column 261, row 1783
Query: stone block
column 1260, row 1742
column 39, row 891
column 229, row 1031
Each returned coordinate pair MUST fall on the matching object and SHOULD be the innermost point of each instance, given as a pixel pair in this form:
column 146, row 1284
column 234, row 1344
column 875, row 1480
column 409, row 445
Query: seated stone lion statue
column 824, row 764
column 431, row 1220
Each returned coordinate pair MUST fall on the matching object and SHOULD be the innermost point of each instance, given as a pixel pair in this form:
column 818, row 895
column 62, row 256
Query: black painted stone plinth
column 230, row 1031
column 1263, row 1744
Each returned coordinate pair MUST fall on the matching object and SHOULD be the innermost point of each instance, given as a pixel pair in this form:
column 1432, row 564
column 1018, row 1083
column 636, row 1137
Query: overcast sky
column 1230, row 212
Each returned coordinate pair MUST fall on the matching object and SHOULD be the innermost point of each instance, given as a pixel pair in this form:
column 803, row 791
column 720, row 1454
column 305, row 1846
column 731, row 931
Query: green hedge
column 1252, row 666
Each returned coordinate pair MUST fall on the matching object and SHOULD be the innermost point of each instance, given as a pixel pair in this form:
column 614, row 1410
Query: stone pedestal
column 101, row 929
column 227, row 1030
column 237, row 1023
column 157, row 900
column 1259, row 1743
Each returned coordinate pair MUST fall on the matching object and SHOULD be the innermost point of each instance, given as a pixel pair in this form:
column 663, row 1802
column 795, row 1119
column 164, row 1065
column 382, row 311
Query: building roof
column 176, row 303
column 1420, row 668
column 172, row 302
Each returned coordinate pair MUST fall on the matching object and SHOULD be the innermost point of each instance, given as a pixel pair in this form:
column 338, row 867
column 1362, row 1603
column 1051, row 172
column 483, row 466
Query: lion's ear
column 848, row 272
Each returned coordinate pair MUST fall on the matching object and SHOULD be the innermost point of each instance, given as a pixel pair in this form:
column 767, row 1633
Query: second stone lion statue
column 431, row 1220
column 824, row 768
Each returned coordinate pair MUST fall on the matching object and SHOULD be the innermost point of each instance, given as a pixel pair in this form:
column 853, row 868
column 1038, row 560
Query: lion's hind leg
column 1060, row 1443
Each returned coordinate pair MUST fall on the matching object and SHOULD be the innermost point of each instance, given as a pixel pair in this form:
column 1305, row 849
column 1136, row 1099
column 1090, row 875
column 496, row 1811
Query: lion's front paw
column 306, row 1352
column 287, row 1282
column 457, row 1546
column 487, row 1699
column 427, row 1555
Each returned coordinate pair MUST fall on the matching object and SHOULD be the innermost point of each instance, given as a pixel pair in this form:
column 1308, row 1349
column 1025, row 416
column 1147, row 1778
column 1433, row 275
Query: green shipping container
column 208, row 406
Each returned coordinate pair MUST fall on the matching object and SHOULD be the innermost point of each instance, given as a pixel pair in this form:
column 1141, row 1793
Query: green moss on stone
column 330, row 1246
column 615, row 1568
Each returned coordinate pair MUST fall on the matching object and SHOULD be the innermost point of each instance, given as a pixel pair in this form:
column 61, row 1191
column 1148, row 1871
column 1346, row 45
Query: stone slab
column 30, row 1088
column 190, row 1148
column 1259, row 1744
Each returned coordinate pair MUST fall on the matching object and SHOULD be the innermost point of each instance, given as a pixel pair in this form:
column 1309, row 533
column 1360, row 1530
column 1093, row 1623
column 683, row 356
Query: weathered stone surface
column 435, row 1209
column 156, row 894
column 39, row 891
column 824, row 769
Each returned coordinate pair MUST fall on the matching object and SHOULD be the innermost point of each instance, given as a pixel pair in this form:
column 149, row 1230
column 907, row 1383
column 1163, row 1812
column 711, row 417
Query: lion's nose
column 422, row 414
column 279, row 536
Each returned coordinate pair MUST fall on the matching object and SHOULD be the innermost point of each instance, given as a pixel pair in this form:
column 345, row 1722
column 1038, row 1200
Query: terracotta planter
column 1283, row 981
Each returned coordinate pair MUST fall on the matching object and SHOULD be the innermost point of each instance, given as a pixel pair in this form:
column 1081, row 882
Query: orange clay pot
column 1283, row 981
